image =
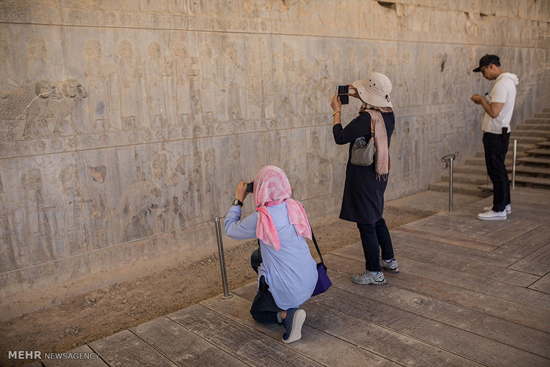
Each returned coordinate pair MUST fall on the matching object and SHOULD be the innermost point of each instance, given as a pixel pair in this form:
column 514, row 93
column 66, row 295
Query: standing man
column 499, row 108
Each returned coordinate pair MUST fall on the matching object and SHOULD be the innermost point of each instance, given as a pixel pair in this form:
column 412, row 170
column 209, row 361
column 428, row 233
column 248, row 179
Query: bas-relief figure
column 76, row 236
column 131, row 73
column 159, row 69
column 259, row 80
column 98, row 213
column 211, row 84
column 186, row 70
column 138, row 208
column 37, row 61
column 103, row 100
column 37, row 221
column 7, row 78
column 12, row 252
column 233, row 77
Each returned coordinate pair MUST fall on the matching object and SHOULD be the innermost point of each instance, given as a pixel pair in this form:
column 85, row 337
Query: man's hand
column 477, row 98
column 492, row 109
column 240, row 191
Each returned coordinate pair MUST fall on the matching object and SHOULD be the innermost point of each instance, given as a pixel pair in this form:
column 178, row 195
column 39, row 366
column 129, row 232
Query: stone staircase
column 532, row 165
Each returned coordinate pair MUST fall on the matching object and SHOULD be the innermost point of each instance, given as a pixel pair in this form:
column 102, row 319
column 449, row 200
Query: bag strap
column 317, row 247
column 371, row 131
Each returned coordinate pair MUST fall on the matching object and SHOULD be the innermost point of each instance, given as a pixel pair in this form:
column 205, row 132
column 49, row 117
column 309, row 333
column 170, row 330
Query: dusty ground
column 93, row 315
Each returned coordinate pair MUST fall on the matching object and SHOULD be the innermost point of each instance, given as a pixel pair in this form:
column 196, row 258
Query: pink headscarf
column 271, row 187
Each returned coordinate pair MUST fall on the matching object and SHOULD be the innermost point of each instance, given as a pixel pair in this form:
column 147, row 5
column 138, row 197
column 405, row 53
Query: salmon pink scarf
column 271, row 187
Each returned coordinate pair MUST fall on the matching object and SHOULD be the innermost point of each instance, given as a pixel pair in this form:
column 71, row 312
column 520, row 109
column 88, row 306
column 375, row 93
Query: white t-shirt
column 504, row 91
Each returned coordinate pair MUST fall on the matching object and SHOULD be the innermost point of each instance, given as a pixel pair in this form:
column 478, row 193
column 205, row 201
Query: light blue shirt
column 291, row 272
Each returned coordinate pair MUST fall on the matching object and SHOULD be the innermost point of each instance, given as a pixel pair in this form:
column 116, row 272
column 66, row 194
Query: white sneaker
column 508, row 209
column 491, row 215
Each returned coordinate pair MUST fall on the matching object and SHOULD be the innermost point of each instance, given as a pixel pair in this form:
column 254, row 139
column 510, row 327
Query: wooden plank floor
column 469, row 293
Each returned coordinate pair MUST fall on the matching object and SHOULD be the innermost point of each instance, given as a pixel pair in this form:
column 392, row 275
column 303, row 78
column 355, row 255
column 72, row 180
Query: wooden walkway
column 469, row 293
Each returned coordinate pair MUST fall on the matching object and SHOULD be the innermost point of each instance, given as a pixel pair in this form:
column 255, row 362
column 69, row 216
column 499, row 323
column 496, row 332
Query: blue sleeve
column 239, row 229
column 358, row 127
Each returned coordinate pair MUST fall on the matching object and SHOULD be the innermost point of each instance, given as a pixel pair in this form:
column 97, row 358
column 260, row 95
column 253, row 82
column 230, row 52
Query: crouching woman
column 287, row 274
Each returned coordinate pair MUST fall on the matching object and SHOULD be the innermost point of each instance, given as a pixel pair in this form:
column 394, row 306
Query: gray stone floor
column 469, row 293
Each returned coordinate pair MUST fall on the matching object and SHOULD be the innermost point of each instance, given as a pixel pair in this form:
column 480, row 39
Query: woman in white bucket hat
column 363, row 200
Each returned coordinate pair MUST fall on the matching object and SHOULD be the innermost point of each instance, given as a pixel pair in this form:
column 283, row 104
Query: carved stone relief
column 121, row 121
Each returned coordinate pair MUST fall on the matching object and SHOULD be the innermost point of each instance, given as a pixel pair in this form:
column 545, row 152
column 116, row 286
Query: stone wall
column 126, row 124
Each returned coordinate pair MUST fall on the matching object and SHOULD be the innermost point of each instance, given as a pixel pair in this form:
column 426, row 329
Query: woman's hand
column 353, row 91
column 240, row 191
column 335, row 103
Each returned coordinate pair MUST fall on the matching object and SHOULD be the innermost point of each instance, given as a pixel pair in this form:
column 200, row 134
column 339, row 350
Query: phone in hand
column 343, row 93
column 250, row 186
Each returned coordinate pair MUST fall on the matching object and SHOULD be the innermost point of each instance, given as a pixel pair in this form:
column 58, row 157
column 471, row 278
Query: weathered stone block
column 125, row 125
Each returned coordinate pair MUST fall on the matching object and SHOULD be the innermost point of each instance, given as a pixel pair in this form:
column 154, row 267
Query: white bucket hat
column 375, row 90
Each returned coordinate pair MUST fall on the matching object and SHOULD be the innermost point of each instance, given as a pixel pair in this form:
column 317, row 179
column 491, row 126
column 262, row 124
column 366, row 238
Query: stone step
column 480, row 161
column 526, row 139
column 519, row 153
column 535, row 182
column 542, row 115
column 474, row 170
column 533, row 160
column 516, row 134
column 459, row 188
column 529, row 127
column 521, row 169
column 537, row 121
column 466, row 178
column 539, row 152
column 544, row 144
column 546, row 110
column 522, row 147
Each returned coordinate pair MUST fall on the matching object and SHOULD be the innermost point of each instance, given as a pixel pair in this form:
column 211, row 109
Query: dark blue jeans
column 375, row 237
column 264, row 309
column 495, row 155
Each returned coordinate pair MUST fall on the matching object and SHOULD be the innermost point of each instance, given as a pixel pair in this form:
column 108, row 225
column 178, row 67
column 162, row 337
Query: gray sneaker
column 369, row 277
column 390, row 265
column 294, row 321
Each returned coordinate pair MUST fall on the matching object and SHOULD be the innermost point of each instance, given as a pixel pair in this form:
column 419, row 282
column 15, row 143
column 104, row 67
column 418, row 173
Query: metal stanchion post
column 451, row 184
column 449, row 159
column 514, row 164
column 226, row 294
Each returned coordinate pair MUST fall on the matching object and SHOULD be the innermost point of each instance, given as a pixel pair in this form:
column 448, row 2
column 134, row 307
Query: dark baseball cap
column 486, row 60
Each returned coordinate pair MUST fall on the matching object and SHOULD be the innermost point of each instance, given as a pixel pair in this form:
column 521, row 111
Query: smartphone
column 250, row 186
column 343, row 93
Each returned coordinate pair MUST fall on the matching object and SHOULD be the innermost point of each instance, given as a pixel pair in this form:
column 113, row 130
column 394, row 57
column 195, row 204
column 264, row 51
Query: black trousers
column 375, row 237
column 264, row 309
column 495, row 155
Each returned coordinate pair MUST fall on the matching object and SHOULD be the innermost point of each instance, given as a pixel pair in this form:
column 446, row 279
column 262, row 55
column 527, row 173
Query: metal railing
column 449, row 159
